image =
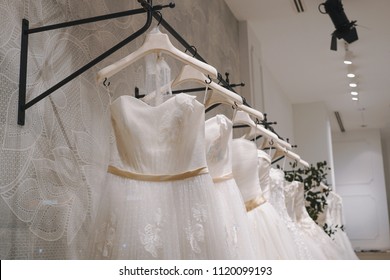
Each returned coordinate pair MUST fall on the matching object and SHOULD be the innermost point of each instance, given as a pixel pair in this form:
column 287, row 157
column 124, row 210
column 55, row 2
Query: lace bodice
column 339, row 211
column 295, row 202
column 277, row 198
column 333, row 215
column 289, row 195
column 334, row 222
column 245, row 168
column 161, row 139
column 218, row 145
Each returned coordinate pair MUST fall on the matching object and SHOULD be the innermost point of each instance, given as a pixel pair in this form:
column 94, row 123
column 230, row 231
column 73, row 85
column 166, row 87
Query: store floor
column 374, row 255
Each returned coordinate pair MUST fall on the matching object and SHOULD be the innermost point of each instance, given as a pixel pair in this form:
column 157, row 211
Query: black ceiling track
column 299, row 6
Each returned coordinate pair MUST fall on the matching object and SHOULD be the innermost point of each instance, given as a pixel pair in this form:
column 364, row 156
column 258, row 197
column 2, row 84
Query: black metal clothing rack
column 147, row 7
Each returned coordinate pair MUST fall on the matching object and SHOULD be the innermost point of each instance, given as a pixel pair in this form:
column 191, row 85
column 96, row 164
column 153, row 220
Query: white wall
column 313, row 135
column 262, row 90
column 360, row 181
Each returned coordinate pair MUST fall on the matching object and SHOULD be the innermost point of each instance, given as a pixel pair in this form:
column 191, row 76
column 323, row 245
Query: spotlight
column 354, row 93
column 351, row 75
column 345, row 29
column 353, row 85
column 355, row 98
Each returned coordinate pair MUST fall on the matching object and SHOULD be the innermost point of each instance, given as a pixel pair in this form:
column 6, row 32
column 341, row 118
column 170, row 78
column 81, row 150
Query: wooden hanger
column 219, row 94
column 297, row 158
column 155, row 42
column 271, row 141
column 254, row 113
column 243, row 117
column 281, row 146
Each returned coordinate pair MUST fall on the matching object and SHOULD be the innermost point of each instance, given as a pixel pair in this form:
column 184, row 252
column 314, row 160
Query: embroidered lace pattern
column 171, row 122
column 195, row 230
column 150, row 237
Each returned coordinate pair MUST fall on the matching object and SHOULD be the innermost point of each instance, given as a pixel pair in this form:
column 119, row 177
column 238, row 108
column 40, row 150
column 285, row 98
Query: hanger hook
column 209, row 81
column 160, row 18
column 235, row 106
column 105, row 83
column 271, row 142
column 194, row 48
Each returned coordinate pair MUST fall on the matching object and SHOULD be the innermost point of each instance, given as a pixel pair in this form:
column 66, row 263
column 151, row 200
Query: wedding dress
column 277, row 199
column 262, row 218
column 264, row 166
column 239, row 235
column 159, row 200
column 333, row 218
column 320, row 245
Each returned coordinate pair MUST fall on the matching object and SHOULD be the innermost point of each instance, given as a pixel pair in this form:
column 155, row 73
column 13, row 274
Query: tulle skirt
column 159, row 220
column 239, row 233
column 273, row 238
column 321, row 246
column 342, row 240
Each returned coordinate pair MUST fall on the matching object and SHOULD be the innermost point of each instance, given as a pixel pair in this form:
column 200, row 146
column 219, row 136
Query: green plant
column 331, row 230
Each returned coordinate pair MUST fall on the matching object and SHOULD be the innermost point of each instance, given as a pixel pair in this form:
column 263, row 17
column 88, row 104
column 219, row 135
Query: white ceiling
column 296, row 49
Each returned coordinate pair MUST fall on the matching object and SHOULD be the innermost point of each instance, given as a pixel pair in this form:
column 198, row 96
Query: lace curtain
column 52, row 169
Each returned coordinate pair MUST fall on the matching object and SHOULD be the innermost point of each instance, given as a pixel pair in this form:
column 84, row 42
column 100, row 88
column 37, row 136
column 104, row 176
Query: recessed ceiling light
column 353, row 85
column 351, row 75
column 348, row 56
column 355, row 98
column 354, row 93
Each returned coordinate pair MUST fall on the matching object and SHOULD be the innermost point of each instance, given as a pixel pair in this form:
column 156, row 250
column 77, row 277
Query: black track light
column 345, row 29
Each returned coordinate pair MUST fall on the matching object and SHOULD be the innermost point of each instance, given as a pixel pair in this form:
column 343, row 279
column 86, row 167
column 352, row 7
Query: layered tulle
column 160, row 220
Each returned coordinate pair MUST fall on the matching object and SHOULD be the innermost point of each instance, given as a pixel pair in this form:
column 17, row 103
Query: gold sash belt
column 223, row 178
column 156, row 178
column 254, row 203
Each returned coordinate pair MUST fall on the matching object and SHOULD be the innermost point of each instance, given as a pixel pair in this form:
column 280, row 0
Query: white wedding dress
column 278, row 200
column 320, row 245
column 264, row 220
column 333, row 218
column 159, row 200
column 264, row 166
column 238, row 233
